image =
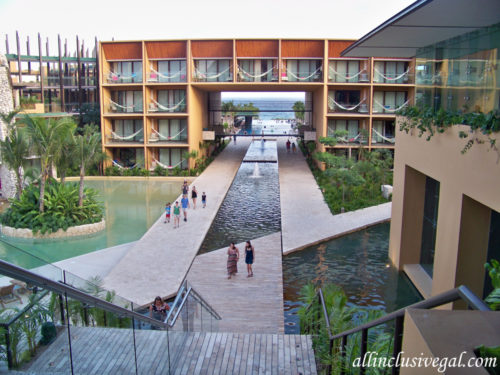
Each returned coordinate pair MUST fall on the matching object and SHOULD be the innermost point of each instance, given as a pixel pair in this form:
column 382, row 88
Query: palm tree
column 65, row 157
column 46, row 137
column 88, row 151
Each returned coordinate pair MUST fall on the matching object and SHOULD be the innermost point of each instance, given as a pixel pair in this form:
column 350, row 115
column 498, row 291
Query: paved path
column 158, row 262
column 305, row 216
column 97, row 351
column 246, row 304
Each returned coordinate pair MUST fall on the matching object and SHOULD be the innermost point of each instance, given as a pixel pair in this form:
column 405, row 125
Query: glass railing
column 256, row 73
column 157, row 106
column 221, row 72
column 358, row 107
column 387, row 108
column 291, row 75
column 115, row 107
column 127, row 137
column 177, row 136
column 393, row 78
column 359, row 76
column 118, row 78
column 167, row 76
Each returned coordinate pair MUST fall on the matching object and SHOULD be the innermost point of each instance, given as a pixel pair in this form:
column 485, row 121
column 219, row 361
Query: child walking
column 204, row 199
column 177, row 215
column 167, row 212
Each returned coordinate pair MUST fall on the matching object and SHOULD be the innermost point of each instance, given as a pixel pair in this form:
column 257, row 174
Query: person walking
column 194, row 195
column 167, row 212
column 233, row 255
column 249, row 258
column 294, row 148
column 185, row 206
column 288, row 145
column 185, row 188
column 234, row 138
column 177, row 215
column 204, row 199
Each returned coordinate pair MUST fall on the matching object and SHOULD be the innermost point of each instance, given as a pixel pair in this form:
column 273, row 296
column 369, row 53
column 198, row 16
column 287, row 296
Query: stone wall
column 7, row 177
column 80, row 230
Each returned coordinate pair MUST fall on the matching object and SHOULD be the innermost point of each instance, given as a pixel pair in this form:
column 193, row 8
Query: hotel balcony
column 169, row 158
column 125, row 131
column 383, row 132
column 347, row 71
column 302, row 71
column 169, row 71
column 125, row 102
column 257, row 70
column 392, row 72
column 347, row 101
column 389, row 101
column 213, row 70
column 169, row 131
column 168, row 101
column 349, row 132
column 124, row 72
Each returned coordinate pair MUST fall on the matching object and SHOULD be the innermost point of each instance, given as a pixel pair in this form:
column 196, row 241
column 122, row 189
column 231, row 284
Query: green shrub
column 112, row 171
column 61, row 208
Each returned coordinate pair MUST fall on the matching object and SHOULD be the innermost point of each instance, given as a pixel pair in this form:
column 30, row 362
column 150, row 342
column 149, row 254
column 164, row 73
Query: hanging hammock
column 165, row 76
column 168, row 109
column 390, row 140
column 385, row 109
column 114, row 77
column 200, row 75
column 304, row 78
column 242, row 72
column 345, row 76
column 392, row 78
column 167, row 166
column 115, row 105
column 124, row 138
column 172, row 137
column 332, row 103
column 116, row 164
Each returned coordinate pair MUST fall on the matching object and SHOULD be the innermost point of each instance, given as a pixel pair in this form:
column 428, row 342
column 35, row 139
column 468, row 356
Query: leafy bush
column 61, row 208
column 112, row 171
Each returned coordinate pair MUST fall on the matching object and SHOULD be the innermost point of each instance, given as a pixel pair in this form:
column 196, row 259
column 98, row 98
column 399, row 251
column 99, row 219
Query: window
column 170, row 101
column 127, row 131
column 171, row 130
column 431, row 204
column 172, row 157
column 170, row 71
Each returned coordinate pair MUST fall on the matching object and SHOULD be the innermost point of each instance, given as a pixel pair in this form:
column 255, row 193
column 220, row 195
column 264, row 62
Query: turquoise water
column 358, row 263
column 130, row 207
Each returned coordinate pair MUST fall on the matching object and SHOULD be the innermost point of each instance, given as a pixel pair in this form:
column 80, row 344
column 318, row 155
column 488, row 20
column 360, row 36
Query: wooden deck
column 246, row 304
column 110, row 351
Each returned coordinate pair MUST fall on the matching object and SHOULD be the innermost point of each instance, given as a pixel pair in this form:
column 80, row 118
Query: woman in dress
column 158, row 310
column 233, row 255
column 249, row 258
column 194, row 195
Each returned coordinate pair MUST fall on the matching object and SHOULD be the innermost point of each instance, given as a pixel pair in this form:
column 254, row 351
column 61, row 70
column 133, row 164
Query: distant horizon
column 275, row 95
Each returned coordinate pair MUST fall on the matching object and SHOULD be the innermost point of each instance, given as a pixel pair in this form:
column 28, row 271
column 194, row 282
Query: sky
column 183, row 19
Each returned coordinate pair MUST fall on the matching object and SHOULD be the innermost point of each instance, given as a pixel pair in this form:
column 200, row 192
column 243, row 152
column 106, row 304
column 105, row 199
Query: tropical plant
column 46, row 138
column 33, row 319
column 493, row 298
column 87, row 152
column 15, row 150
column 299, row 109
column 64, row 159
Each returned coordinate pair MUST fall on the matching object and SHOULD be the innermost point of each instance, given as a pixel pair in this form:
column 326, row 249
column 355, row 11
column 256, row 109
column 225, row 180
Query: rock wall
column 80, row 230
column 7, row 177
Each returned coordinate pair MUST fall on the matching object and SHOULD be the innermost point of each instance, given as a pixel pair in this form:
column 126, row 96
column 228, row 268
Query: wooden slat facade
column 335, row 47
column 302, row 48
column 257, row 48
column 211, row 48
column 166, row 50
column 123, row 51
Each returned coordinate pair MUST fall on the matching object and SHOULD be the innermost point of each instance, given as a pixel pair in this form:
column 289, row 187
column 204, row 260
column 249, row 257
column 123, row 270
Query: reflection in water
column 130, row 207
column 358, row 263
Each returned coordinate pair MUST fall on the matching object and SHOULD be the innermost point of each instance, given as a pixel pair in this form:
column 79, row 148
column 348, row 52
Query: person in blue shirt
column 185, row 205
column 167, row 212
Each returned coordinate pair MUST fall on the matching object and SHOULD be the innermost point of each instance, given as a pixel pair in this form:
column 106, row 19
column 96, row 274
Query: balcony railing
column 360, row 76
column 155, row 106
column 378, row 137
column 115, row 107
column 171, row 76
column 392, row 78
column 271, row 75
column 388, row 108
column 126, row 137
column 201, row 75
column 134, row 77
column 180, row 136
column 334, row 106
column 291, row 75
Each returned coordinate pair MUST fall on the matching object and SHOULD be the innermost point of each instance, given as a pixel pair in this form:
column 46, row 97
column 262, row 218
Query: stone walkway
column 246, row 304
column 305, row 216
column 158, row 262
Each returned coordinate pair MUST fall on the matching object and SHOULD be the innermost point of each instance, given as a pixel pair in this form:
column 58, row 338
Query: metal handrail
column 462, row 292
column 59, row 287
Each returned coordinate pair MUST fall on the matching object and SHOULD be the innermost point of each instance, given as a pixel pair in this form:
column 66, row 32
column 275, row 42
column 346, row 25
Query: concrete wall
column 7, row 177
column 198, row 118
column 469, row 189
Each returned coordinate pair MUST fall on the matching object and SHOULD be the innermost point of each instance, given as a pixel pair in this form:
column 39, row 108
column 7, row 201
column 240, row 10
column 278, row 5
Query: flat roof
column 423, row 23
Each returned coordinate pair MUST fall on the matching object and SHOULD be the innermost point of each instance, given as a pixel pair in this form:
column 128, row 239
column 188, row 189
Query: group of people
column 184, row 204
column 233, row 256
column 290, row 144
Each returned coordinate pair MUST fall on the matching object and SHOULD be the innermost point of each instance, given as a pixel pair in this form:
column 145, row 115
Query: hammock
column 124, row 138
column 124, row 107
column 116, row 164
column 118, row 76
column 392, row 78
column 200, row 75
column 166, row 166
column 165, row 76
column 243, row 71
column 390, row 109
column 172, row 137
column 332, row 103
column 391, row 140
column 304, row 78
column 345, row 76
column 168, row 109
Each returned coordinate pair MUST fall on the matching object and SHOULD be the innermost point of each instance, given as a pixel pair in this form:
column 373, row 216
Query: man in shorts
column 185, row 206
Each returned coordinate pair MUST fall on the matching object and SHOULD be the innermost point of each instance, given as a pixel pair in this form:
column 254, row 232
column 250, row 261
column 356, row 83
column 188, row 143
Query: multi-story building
column 157, row 97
